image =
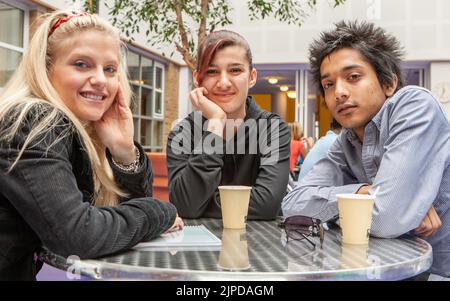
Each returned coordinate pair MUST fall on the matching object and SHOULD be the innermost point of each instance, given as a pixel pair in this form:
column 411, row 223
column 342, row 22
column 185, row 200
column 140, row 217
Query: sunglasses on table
column 298, row 227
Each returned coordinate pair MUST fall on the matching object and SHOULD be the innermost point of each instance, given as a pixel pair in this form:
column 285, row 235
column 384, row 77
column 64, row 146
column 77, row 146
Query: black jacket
column 46, row 200
column 195, row 172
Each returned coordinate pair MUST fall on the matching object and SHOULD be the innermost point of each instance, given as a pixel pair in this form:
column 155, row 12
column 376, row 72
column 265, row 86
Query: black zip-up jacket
column 46, row 200
column 196, row 168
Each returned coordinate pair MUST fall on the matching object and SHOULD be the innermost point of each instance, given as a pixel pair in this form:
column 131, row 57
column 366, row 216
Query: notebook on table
column 191, row 237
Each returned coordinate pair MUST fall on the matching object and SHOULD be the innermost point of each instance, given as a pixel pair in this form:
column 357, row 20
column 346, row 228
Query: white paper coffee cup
column 234, row 202
column 355, row 217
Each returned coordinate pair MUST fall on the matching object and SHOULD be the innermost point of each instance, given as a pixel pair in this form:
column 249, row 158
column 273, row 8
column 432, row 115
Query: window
column 414, row 76
column 147, row 83
column 13, row 37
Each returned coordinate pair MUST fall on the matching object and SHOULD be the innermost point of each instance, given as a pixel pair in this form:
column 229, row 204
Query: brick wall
column 171, row 99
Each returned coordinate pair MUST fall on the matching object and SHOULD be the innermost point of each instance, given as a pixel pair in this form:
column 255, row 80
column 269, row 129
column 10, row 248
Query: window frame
column 26, row 28
column 159, row 90
column 139, row 115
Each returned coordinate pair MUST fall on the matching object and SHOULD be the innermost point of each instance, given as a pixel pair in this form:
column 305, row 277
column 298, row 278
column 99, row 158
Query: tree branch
column 183, row 49
column 186, row 56
column 204, row 16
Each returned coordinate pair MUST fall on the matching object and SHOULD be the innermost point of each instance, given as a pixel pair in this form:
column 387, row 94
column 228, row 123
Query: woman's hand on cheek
column 217, row 118
column 209, row 109
column 116, row 129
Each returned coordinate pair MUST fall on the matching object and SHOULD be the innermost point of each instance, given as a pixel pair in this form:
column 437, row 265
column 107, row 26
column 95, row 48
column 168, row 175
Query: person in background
column 71, row 177
column 225, row 141
column 320, row 149
column 299, row 148
column 395, row 138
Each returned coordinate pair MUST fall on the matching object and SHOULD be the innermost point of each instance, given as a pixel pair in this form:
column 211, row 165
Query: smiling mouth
column 224, row 94
column 93, row 97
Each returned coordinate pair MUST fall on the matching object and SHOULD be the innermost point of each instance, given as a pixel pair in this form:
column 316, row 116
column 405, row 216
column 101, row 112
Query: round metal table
column 260, row 252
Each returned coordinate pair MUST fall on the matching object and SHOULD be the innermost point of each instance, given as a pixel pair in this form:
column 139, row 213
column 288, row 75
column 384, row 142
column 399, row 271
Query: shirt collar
column 351, row 136
column 252, row 111
column 376, row 120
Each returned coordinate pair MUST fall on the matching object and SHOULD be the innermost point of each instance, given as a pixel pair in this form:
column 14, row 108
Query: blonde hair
column 30, row 88
column 296, row 130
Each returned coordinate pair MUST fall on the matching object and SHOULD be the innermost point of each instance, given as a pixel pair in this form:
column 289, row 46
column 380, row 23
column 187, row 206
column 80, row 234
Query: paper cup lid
column 235, row 187
column 355, row 196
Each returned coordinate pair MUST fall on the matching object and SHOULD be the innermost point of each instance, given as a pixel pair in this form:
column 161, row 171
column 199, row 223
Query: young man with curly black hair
column 395, row 137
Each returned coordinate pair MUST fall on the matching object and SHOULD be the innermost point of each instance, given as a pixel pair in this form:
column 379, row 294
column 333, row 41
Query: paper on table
column 190, row 237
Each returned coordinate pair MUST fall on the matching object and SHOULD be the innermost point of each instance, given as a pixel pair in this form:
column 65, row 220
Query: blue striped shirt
column 406, row 152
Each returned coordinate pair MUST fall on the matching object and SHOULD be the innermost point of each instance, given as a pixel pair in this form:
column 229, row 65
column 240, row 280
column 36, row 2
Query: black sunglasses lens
column 302, row 220
column 299, row 220
column 303, row 229
column 300, row 227
column 297, row 235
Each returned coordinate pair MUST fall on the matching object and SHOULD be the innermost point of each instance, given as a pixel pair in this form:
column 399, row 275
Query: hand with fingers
column 364, row 189
column 116, row 130
column 177, row 225
column 430, row 224
column 211, row 111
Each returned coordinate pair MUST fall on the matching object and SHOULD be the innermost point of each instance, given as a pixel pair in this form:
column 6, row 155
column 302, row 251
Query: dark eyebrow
column 230, row 65
column 347, row 68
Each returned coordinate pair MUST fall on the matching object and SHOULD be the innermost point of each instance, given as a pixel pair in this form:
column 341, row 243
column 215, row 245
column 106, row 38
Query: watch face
column 442, row 92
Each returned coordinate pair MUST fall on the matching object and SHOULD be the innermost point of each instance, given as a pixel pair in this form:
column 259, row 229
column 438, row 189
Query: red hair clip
column 64, row 20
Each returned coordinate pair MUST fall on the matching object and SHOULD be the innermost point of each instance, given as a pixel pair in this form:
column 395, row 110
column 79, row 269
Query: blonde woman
column 72, row 178
column 299, row 145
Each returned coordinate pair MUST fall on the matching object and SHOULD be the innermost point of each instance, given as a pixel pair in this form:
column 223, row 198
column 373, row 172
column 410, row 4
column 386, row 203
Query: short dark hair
column 377, row 47
column 218, row 40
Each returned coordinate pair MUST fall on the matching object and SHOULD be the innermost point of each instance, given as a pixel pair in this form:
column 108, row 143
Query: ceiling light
column 292, row 94
column 272, row 80
column 284, row 88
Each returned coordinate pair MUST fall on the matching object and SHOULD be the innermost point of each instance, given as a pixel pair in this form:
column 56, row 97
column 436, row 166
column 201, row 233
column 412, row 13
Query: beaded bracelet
column 133, row 166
